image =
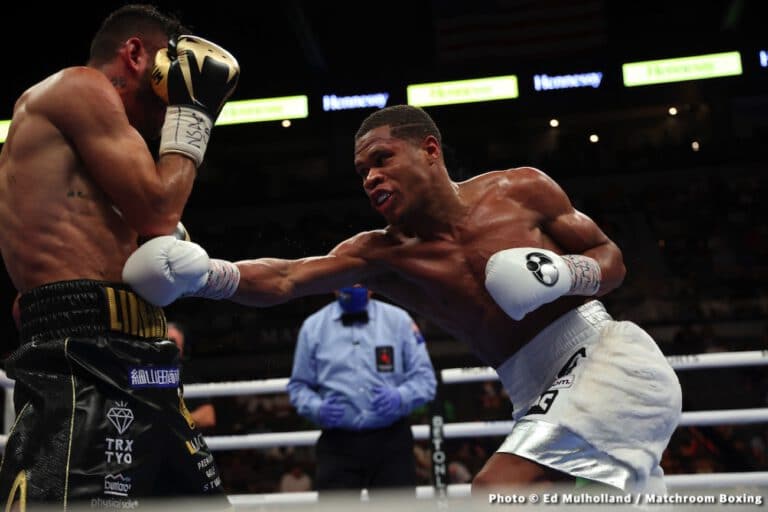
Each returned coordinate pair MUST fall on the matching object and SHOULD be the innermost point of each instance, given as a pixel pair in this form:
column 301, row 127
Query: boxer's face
column 153, row 107
column 145, row 110
column 395, row 173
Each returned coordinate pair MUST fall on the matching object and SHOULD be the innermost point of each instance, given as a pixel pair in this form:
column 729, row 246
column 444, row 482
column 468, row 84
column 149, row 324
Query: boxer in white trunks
column 502, row 261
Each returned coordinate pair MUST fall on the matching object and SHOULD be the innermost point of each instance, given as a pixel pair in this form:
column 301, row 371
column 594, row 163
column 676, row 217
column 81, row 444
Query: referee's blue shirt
column 349, row 361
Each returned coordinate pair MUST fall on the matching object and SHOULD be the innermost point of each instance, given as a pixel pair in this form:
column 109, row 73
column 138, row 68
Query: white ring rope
column 458, row 430
column 459, row 375
column 682, row 362
column 468, row 429
column 236, row 388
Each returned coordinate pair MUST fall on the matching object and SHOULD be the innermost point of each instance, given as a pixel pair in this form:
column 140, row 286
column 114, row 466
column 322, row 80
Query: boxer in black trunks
column 100, row 415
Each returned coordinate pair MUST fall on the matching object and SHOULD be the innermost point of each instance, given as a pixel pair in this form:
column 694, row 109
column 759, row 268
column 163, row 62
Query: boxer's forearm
column 612, row 269
column 270, row 281
column 263, row 282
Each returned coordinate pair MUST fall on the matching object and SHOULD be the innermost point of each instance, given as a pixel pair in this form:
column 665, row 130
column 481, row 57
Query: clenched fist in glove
column 195, row 78
column 522, row 279
column 166, row 268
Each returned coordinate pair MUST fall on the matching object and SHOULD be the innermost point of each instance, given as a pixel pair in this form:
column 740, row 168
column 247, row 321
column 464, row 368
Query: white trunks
column 593, row 398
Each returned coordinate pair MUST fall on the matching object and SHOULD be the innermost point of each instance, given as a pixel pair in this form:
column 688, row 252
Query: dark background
column 262, row 172
column 692, row 224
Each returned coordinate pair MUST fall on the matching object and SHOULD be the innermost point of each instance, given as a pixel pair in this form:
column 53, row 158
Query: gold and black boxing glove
column 195, row 77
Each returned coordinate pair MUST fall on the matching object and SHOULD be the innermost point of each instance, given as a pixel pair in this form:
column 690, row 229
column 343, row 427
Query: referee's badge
column 385, row 358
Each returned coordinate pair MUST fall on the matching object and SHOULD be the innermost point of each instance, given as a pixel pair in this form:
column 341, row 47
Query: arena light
column 681, row 69
column 672, row 111
column 554, row 123
column 572, row 81
column 333, row 102
column 763, row 59
column 264, row 109
column 463, row 91
column 4, row 126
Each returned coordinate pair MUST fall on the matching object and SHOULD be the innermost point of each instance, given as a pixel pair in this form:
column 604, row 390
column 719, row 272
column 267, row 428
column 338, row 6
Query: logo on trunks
column 120, row 417
column 114, row 504
column 213, row 484
column 117, row 485
column 385, row 358
column 119, row 450
column 154, row 377
column 564, row 380
column 572, row 362
column 195, row 444
column 544, row 403
column 542, row 268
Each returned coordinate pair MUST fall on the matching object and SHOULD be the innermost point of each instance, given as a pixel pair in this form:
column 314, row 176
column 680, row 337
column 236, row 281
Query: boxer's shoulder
column 367, row 244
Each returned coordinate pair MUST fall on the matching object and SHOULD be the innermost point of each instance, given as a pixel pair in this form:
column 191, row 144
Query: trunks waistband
column 86, row 307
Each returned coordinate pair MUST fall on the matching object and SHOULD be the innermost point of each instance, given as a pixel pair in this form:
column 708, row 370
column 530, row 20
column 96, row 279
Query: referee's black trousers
column 370, row 459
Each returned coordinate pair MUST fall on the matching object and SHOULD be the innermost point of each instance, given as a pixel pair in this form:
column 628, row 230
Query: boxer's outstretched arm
column 268, row 281
column 165, row 268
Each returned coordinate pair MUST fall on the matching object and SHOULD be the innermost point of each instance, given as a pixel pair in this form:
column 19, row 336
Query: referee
column 360, row 367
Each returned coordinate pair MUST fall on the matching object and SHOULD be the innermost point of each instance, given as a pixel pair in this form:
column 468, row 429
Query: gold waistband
column 132, row 315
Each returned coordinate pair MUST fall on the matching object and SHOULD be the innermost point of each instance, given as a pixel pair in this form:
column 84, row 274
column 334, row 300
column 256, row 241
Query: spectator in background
column 295, row 479
column 200, row 408
column 360, row 368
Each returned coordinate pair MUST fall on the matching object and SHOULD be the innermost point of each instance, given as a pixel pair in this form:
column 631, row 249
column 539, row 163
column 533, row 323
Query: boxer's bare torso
column 431, row 258
column 55, row 223
column 443, row 278
column 71, row 162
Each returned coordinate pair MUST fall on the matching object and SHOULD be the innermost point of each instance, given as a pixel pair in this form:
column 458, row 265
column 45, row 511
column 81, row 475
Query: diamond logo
column 120, row 416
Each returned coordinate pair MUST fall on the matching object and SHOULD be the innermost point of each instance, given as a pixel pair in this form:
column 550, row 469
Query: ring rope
column 458, row 430
column 459, row 375
column 681, row 362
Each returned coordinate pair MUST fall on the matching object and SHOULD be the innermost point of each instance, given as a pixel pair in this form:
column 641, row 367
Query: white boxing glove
column 522, row 279
column 165, row 268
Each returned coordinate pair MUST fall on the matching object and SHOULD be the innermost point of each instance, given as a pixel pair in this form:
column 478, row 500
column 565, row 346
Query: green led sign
column 266, row 109
column 463, row 91
column 4, row 125
column 245, row 111
column 681, row 69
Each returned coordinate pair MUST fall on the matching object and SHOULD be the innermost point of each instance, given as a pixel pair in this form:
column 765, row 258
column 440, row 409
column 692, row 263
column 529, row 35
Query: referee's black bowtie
column 360, row 317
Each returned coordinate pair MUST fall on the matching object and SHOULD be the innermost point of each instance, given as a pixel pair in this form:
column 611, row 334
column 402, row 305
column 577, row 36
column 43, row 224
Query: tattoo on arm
column 585, row 274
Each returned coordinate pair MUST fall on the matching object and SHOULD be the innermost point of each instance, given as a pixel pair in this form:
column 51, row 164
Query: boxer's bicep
column 575, row 233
